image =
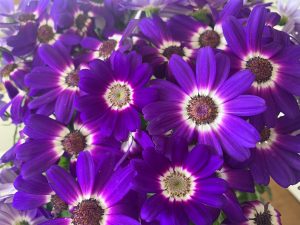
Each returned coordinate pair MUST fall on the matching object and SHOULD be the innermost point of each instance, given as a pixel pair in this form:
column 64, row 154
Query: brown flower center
column 72, row 79
column 261, row 68
column 209, row 38
column 81, row 21
column 106, row 48
column 118, row 95
column 58, row 205
column 8, row 69
column 202, row 110
column 263, row 218
column 74, row 143
column 265, row 134
column 88, row 212
column 176, row 184
column 45, row 33
column 169, row 51
column 25, row 17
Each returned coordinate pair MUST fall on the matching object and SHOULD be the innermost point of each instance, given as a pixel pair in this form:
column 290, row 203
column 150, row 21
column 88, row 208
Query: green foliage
column 64, row 162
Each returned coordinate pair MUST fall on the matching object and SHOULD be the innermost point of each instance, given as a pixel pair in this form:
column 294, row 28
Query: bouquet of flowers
column 148, row 112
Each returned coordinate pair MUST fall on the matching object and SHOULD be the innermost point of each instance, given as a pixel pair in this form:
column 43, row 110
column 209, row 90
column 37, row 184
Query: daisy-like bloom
column 35, row 192
column 57, row 87
column 95, row 198
column 197, row 35
column 182, row 189
column 277, row 153
column 206, row 105
column 162, row 45
column 115, row 93
column 274, row 64
column 56, row 140
column 100, row 49
column 10, row 216
column 259, row 214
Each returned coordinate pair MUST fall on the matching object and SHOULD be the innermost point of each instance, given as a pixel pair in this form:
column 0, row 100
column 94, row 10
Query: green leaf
column 65, row 213
column 64, row 162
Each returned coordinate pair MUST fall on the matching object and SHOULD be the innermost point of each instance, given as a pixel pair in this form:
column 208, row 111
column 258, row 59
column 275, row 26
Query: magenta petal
column 152, row 208
column 64, row 107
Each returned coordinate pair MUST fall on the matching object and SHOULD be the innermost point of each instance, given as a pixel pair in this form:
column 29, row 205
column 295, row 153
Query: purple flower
column 7, row 177
column 182, row 189
column 197, row 34
column 96, row 197
column 259, row 213
column 11, row 216
column 206, row 105
column 274, row 63
column 162, row 45
column 56, row 140
column 115, row 93
column 57, row 87
column 277, row 153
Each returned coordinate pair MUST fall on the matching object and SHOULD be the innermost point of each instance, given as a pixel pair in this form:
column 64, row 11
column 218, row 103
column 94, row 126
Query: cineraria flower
column 56, row 140
column 54, row 86
column 115, row 93
column 95, row 198
column 206, row 105
column 182, row 189
column 274, row 64
column 260, row 214
column 100, row 49
column 163, row 45
column 277, row 153
column 11, row 216
column 197, row 35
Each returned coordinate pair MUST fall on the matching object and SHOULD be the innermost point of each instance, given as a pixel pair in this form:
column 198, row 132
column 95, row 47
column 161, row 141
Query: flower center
column 261, row 68
column 58, row 205
column 202, row 110
column 23, row 222
column 118, row 95
column 263, row 218
column 25, row 17
column 209, row 38
column 265, row 135
column 81, row 21
column 74, row 142
column 45, row 33
column 97, row 1
column 177, row 184
column 88, row 212
column 106, row 48
column 72, row 79
column 8, row 69
column 169, row 51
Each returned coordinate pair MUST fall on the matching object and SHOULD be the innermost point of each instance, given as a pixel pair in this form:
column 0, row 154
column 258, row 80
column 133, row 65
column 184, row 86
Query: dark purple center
column 209, row 38
column 88, row 212
column 74, row 143
column 202, row 110
column 168, row 52
column 8, row 69
column 45, row 33
column 265, row 134
column 80, row 21
column 106, row 48
column 261, row 68
column 263, row 218
column 26, row 17
column 58, row 205
column 72, row 79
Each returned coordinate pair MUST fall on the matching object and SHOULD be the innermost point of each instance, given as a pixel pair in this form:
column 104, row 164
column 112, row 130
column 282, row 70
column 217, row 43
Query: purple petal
column 205, row 68
column 61, row 221
column 183, row 73
column 24, row 201
column 64, row 107
column 152, row 208
column 223, row 66
column 122, row 219
column 42, row 77
column 85, row 170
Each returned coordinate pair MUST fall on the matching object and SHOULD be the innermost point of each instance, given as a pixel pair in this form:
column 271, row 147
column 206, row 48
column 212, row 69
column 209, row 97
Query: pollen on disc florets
column 72, row 79
column 209, row 38
column 177, row 184
column 202, row 109
column 106, row 48
column 8, row 69
column 26, row 17
column 262, row 69
column 45, row 33
column 169, row 51
column 58, row 205
column 74, row 142
column 23, row 222
column 118, row 95
column 88, row 212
